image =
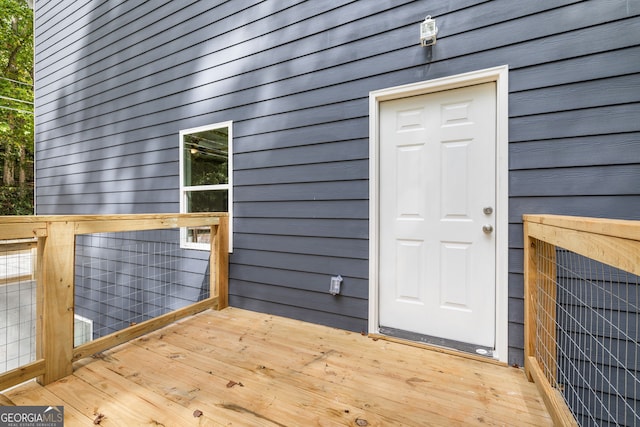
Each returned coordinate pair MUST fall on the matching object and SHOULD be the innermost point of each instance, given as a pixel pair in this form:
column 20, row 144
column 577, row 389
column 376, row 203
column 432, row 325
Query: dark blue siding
column 115, row 84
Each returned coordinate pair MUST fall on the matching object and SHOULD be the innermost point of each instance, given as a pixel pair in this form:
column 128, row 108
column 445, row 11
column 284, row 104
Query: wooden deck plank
column 292, row 373
column 266, row 397
column 443, row 369
column 5, row 401
column 318, row 339
column 181, row 383
column 123, row 390
column 96, row 398
column 353, row 400
column 431, row 386
column 33, row 394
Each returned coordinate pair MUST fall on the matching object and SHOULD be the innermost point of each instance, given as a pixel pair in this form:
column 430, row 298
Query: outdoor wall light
column 334, row 286
column 428, row 31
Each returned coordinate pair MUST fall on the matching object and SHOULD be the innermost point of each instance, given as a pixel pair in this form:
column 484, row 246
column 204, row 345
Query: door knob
column 487, row 228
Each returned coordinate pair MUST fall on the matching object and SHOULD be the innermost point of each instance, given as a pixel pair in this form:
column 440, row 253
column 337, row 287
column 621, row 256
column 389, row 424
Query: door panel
column 408, row 285
column 437, row 173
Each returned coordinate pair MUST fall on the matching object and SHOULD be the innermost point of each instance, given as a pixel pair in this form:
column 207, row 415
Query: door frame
column 499, row 75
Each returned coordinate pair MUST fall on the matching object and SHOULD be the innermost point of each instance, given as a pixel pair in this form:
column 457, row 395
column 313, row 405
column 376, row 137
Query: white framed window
column 205, row 178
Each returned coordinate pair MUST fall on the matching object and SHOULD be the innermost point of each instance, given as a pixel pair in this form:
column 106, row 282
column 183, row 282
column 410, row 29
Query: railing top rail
column 625, row 229
column 18, row 227
column 34, row 219
column 116, row 223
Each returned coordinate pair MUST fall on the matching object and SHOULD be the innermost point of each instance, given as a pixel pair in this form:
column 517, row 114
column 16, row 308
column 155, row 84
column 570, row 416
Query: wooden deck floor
column 237, row 367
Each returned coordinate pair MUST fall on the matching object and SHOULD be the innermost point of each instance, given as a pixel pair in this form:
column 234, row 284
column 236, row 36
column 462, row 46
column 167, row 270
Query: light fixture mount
column 428, row 31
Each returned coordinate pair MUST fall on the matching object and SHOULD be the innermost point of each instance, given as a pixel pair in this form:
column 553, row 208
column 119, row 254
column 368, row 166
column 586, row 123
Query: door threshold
column 439, row 344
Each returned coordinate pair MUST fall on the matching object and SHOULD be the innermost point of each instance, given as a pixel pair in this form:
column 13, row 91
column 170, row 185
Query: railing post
column 548, row 318
column 530, row 298
column 55, row 295
column 219, row 262
column 540, row 306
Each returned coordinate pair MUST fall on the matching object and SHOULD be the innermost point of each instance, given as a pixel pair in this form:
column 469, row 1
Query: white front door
column 436, row 203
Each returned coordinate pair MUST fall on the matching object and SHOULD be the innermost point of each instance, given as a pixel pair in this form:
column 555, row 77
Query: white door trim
column 499, row 75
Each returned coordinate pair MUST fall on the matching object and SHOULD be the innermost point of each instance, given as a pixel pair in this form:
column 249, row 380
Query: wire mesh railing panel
column 129, row 277
column 17, row 308
column 588, row 343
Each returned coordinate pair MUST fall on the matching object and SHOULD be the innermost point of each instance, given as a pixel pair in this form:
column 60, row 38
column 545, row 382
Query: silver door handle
column 487, row 228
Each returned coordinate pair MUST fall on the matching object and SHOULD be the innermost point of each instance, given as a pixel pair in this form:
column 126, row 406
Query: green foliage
column 16, row 200
column 16, row 32
column 209, row 172
column 16, row 104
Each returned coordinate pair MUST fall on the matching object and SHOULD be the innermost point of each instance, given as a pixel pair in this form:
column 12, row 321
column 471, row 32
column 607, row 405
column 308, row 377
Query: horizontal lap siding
column 116, row 87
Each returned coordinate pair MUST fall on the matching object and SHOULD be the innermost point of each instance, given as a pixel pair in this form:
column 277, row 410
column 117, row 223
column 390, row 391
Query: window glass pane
column 199, row 234
column 206, row 156
column 207, row 201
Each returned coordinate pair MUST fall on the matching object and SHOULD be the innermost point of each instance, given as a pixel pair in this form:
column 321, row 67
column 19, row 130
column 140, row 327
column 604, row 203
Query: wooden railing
column 55, row 272
column 615, row 243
